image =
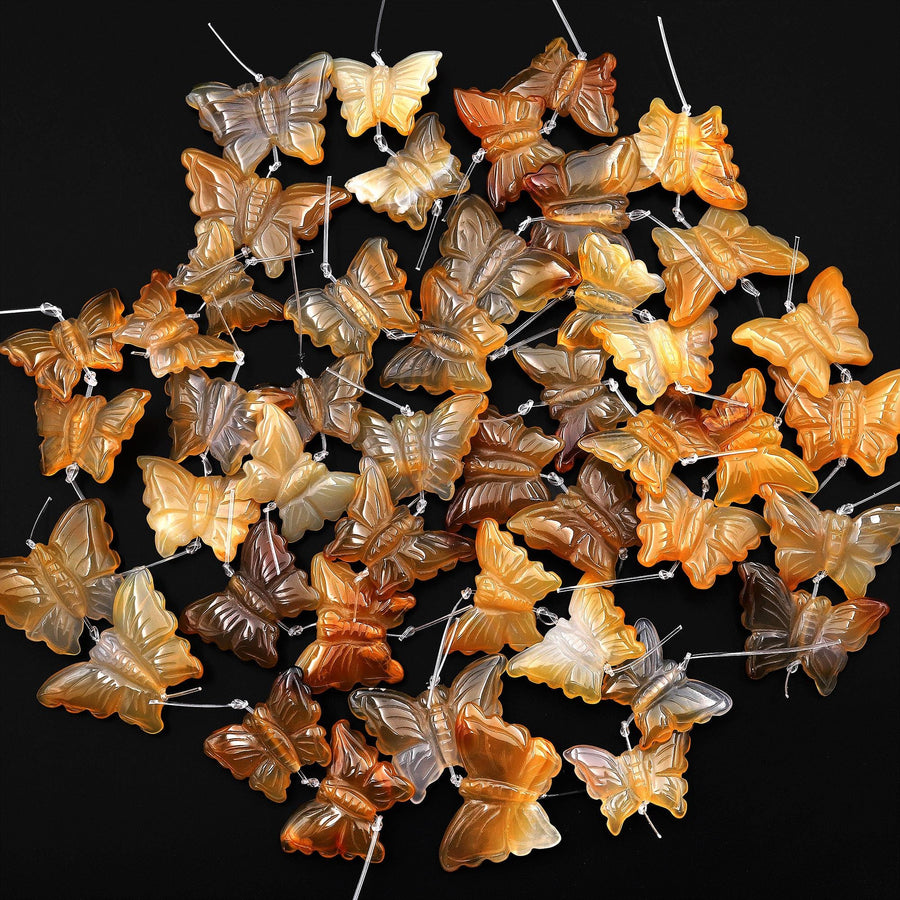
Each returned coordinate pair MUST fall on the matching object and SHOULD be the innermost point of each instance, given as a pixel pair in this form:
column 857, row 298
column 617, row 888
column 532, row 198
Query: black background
column 791, row 796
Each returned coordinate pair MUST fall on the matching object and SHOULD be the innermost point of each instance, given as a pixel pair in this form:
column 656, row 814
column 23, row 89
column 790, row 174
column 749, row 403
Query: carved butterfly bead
column 502, row 471
column 587, row 524
column 584, row 192
column 612, row 284
column 162, row 328
column 780, row 619
column 572, row 86
column 504, row 274
column 450, row 348
column 56, row 358
column 706, row 539
column 656, row 354
column 574, row 392
column 685, row 153
column 86, row 431
column 854, row 420
column 509, row 128
column 507, row 587
column 729, row 248
column 210, row 415
column 808, row 340
column 275, row 740
column 507, row 772
column 349, row 313
column 575, row 652
column 422, row 172
column 49, row 593
column 132, row 664
column 422, row 452
column 625, row 784
column 809, row 540
column 351, row 645
column 249, row 120
column 389, row 540
column 267, row 587
column 661, row 696
column 221, row 279
column 182, row 506
column 419, row 733
column 341, row 818
column 261, row 215
column 389, row 94
column 307, row 494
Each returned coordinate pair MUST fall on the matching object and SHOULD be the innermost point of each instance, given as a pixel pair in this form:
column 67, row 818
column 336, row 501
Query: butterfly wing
column 100, row 317
column 113, row 425
column 606, row 780
column 870, row 537
column 299, row 102
column 591, row 106
column 35, row 351
column 407, row 84
column 799, row 533
column 878, row 439
column 831, row 301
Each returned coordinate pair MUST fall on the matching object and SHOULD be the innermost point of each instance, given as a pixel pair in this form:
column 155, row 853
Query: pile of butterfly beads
column 358, row 586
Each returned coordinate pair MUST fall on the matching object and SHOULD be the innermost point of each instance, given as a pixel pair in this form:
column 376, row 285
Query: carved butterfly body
column 780, row 619
column 134, row 662
column 419, row 733
column 56, row 358
column 48, row 593
column 251, row 119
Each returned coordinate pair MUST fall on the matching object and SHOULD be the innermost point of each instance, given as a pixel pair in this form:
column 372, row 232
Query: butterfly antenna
column 450, row 629
column 293, row 245
column 848, row 508
column 790, row 671
column 189, row 550
column 477, row 157
column 229, row 553
column 48, row 309
column 30, row 544
column 568, row 27
column 497, row 354
column 376, row 51
column 678, row 215
column 685, row 106
column 256, row 75
column 376, row 824
column 789, row 302
column 508, row 348
column 325, row 266
column 613, row 385
column 71, row 476
column 270, row 528
column 404, row 408
column 842, row 461
column 642, row 809
column 774, row 651
column 276, row 162
column 692, row 458
column 614, row 670
column 436, row 208
column 684, row 389
column 529, row 220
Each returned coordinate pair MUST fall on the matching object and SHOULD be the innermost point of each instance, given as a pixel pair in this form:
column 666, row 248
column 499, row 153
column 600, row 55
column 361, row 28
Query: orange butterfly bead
column 86, row 431
column 506, row 590
column 356, row 789
column 507, row 772
column 351, row 634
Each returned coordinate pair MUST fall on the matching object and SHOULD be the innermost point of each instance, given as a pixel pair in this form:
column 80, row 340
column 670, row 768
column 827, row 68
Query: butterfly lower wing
column 115, row 424
column 408, row 81
column 878, row 439
column 168, row 490
column 592, row 106
column 82, row 538
column 447, row 439
column 240, row 751
column 34, row 350
column 352, row 81
column 730, row 534
column 604, row 780
column 687, row 704
column 869, row 542
column 320, row 827
column 799, row 532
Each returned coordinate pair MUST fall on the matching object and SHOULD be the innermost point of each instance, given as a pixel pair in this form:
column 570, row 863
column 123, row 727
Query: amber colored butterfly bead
column 49, row 593
column 507, row 772
column 341, row 819
column 389, row 540
column 779, row 618
column 507, row 588
column 275, row 740
column 502, row 471
column 351, row 633
column 246, row 615
column 86, row 431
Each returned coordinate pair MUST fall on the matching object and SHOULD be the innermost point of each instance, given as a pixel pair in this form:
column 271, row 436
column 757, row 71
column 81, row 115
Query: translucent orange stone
column 587, row 524
column 807, row 341
column 356, row 789
column 261, row 215
column 854, row 420
column 507, row 587
column 625, row 784
column 249, row 120
column 507, row 771
column 422, row 452
column 509, row 128
column 389, row 540
column 182, row 506
column 809, row 540
column 422, row 172
column 688, row 153
column 56, row 358
column 246, row 615
column 502, row 471
column 171, row 339
column 275, row 739
column 780, row 619
column 504, row 274
column 450, row 348
column 729, row 248
column 574, row 393
column 580, row 88
column 86, row 431
column 48, row 593
column 133, row 663
column 706, row 539
column 351, row 635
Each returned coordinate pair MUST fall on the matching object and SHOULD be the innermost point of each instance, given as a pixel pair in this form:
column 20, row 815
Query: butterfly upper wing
column 447, row 438
column 100, row 317
column 830, row 300
column 799, row 532
column 870, row 537
column 606, row 780
column 408, row 83
column 878, row 439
